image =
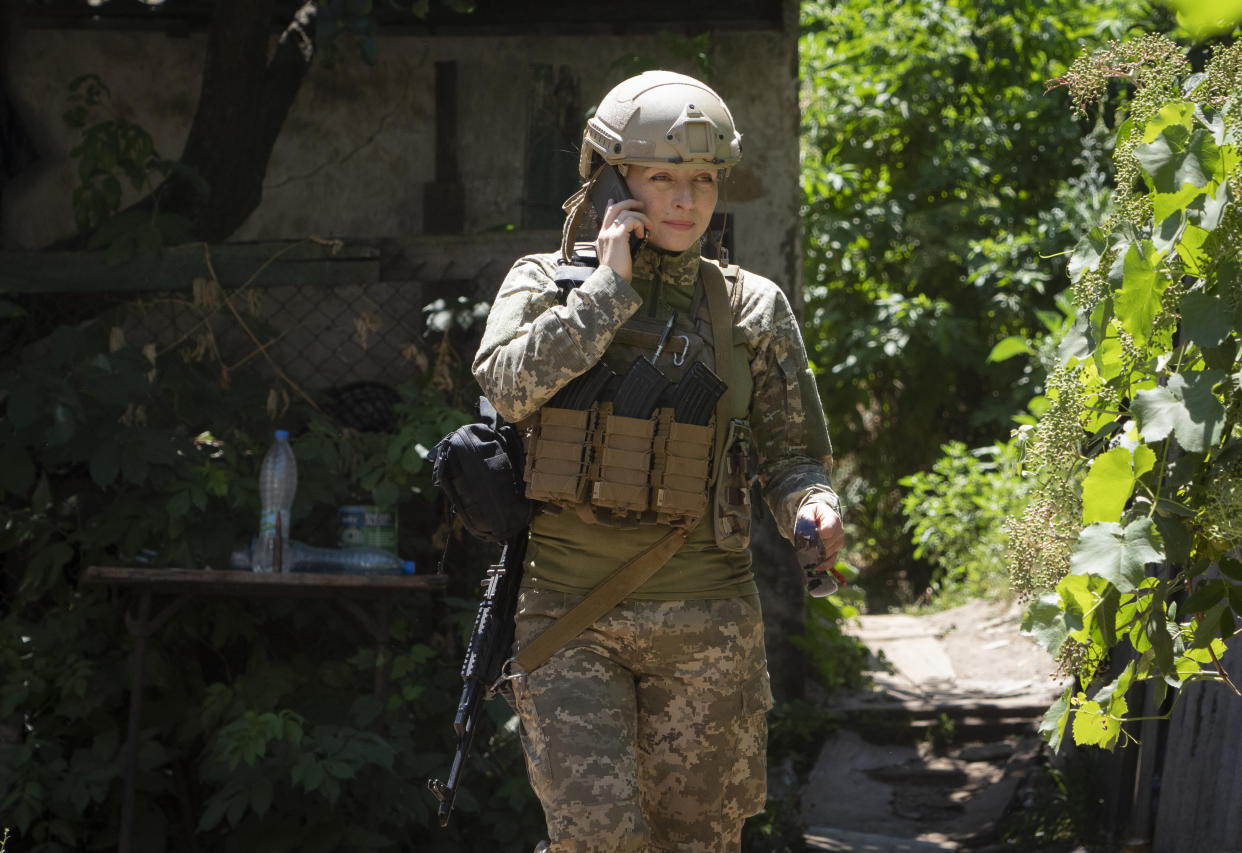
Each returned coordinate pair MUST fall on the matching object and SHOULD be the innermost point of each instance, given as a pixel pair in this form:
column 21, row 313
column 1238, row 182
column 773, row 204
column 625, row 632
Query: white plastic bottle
column 362, row 560
column 278, row 483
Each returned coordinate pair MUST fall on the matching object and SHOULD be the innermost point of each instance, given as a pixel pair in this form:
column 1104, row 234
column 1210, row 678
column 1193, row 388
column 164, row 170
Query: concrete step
column 845, row 841
column 954, row 718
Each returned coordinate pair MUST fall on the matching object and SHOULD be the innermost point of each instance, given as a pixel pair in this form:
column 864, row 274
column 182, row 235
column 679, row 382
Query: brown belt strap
column 635, row 572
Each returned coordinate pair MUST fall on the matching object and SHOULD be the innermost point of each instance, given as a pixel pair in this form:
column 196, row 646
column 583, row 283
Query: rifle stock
column 491, row 644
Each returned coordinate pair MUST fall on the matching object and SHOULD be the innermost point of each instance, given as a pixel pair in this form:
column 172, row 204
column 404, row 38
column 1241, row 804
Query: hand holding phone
column 812, row 555
column 618, row 214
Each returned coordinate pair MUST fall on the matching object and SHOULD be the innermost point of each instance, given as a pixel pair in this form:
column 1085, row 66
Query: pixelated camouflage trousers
column 648, row 732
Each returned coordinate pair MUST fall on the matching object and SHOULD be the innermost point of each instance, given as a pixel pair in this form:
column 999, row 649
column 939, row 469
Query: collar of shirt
column 679, row 269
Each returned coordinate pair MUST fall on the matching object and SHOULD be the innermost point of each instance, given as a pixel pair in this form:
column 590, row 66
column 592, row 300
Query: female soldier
column 647, row 730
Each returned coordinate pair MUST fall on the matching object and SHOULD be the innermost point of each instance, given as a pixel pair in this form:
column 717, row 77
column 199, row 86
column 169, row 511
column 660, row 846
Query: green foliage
column 797, row 731
column 1135, row 465
column 262, row 724
column 112, row 153
column 1063, row 809
column 956, row 514
column 837, row 660
column 937, row 181
column 692, row 52
column 1201, row 19
column 356, row 20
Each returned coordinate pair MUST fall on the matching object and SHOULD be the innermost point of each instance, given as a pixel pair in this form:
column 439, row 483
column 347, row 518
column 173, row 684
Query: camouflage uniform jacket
column 533, row 345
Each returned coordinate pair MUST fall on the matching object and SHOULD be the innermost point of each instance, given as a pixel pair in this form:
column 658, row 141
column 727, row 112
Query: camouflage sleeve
column 787, row 418
column 532, row 345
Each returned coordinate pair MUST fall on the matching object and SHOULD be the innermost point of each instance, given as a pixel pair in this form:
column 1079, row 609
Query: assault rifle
column 490, row 646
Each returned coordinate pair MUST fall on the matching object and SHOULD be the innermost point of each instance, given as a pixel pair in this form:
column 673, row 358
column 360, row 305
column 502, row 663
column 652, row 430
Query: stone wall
column 359, row 145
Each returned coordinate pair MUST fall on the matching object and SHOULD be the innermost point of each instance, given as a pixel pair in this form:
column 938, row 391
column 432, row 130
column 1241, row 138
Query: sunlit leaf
column 1204, row 18
column 1185, row 407
column 1052, row 725
column 1009, row 347
column 1119, row 555
column 1138, row 302
column 1108, row 485
column 1093, row 726
column 1206, row 208
column 1175, row 158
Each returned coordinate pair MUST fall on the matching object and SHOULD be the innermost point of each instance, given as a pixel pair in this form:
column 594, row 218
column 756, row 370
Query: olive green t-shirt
column 568, row 554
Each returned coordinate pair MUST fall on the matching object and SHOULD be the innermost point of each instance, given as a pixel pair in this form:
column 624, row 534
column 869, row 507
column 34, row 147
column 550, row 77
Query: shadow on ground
column 943, row 746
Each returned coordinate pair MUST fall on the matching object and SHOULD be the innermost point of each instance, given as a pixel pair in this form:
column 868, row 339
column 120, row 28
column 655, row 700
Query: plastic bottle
column 278, row 483
column 300, row 557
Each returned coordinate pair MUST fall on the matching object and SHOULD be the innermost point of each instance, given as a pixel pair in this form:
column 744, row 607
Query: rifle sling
column 598, row 602
column 631, row 575
column 722, row 339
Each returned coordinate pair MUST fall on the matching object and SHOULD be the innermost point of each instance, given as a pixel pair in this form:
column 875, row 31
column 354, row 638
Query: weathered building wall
column 359, row 144
column 352, row 163
column 1201, row 778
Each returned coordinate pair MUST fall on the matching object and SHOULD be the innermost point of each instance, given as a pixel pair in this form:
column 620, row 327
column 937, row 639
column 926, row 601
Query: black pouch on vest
column 479, row 469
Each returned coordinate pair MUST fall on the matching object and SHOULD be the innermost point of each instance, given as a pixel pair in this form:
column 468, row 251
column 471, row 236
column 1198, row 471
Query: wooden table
column 353, row 592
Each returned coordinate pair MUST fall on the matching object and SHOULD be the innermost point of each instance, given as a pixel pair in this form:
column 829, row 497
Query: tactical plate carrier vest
column 633, row 440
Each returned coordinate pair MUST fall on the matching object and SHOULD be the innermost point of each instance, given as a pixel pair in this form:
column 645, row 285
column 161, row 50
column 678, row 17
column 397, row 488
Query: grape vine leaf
column 1185, row 407
column 1174, row 534
column 1138, row 303
column 1175, row 158
column 1110, row 482
column 1087, row 253
column 1170, row 231
column 1207, row 319
column 1165, row 205
column 1078, row 342
column 1052, row 726
column 1009, row 347
column 1206, row 209
column 1119, row 555
column 1231, row 569
column 1102, row 725
column 1094, row 727
column 1044, row 621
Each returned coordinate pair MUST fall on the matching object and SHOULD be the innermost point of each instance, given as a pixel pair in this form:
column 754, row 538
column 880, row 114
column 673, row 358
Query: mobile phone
column 608, row 186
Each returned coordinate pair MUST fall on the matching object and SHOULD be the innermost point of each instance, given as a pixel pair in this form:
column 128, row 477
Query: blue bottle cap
column 407, row 567
column 282, row 435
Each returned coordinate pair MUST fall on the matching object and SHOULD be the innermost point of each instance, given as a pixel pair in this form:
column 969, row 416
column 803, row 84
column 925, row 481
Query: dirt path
column 936, row 753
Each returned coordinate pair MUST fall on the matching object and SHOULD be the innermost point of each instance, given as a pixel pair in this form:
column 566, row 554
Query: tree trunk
column 242, row 106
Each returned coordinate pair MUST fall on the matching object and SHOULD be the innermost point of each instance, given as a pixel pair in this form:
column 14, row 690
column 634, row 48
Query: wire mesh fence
column 345, row 342
column 312, row 336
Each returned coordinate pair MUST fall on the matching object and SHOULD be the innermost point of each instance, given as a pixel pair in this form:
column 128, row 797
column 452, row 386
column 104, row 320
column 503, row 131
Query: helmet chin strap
column 576, row 207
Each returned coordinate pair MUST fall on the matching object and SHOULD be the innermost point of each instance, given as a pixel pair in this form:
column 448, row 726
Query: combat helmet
column 660, row 118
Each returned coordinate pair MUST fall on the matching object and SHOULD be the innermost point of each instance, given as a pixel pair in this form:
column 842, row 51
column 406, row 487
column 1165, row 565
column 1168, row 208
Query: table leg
column 378, row 629
column 138, row 629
